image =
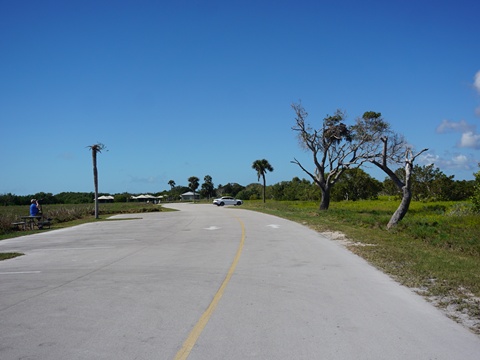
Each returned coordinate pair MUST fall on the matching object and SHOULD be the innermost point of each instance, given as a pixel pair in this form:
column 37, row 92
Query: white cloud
column 453, row 126
column 428, row 159
column 449, row 161
column 461, row 160
column 144, row 180
column 470, row 140
column 476, row 81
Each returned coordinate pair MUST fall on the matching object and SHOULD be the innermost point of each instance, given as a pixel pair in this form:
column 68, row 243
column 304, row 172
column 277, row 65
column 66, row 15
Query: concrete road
column 209, row 282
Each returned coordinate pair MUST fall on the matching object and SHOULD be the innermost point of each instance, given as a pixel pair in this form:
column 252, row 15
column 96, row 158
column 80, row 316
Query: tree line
column 428, row 183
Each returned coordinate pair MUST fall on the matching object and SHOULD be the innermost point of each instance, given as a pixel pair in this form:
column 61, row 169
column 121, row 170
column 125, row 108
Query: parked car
column 227, row 200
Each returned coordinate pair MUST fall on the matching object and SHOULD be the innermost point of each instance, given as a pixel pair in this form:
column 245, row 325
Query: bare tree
column 261, row 167
column 336, row 147
column 96, row 148
column 332, row 147
column 387, row 148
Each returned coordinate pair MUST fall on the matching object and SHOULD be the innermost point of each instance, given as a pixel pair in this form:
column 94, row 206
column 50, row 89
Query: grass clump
column 9, row 255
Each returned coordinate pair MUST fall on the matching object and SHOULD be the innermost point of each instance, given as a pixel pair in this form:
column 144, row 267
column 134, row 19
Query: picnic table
column 30, row 221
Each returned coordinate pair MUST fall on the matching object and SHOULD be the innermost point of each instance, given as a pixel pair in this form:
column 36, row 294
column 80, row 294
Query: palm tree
column 96, row 148
column 207, row 186
column 172, row 186
column 193, row 183
column 262, row 166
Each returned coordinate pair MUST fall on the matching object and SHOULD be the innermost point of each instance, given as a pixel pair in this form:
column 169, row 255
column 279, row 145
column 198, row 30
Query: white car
column 227, row 200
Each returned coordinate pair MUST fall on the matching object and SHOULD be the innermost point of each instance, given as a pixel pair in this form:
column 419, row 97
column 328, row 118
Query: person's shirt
column 33, row 210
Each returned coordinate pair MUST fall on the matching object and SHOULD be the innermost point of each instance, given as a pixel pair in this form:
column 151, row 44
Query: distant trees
column 193, row 184
column 122, row 198
column 96, row 148
column 207, row 189
column 251, row 192
column 12, row 199
column 431, row 184
column 175, row 192
column 261, row 167
column 295, row 189
column 476, row 191
column 75, row 198
column 355, row 184
column 230, row 189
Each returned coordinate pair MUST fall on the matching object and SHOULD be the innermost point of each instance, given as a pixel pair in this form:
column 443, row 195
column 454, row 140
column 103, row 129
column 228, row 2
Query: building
column 189, row 196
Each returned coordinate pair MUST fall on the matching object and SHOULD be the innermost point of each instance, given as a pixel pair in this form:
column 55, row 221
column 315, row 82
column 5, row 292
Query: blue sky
column 193, row 88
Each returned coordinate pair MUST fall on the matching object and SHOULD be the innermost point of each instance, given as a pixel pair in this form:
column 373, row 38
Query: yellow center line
column 192, row 338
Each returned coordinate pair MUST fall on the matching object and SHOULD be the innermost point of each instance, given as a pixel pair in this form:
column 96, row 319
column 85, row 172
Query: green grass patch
column 69, row 215
column 11, row 255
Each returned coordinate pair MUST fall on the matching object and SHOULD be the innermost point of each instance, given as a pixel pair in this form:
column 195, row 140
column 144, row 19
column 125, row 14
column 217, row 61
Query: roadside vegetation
column 10, row 255
column 64, row 215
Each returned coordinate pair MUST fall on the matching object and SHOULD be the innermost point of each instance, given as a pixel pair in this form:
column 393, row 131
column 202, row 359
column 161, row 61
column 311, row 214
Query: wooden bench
column 42, row 223
column 17, row 225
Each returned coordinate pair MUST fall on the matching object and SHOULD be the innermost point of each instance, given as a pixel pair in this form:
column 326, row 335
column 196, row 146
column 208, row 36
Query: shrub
column 476, row 192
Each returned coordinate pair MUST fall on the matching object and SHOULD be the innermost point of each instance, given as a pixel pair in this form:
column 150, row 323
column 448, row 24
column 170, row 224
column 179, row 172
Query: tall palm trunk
column 95, row 180
column 96, row 149
column 264, row 187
